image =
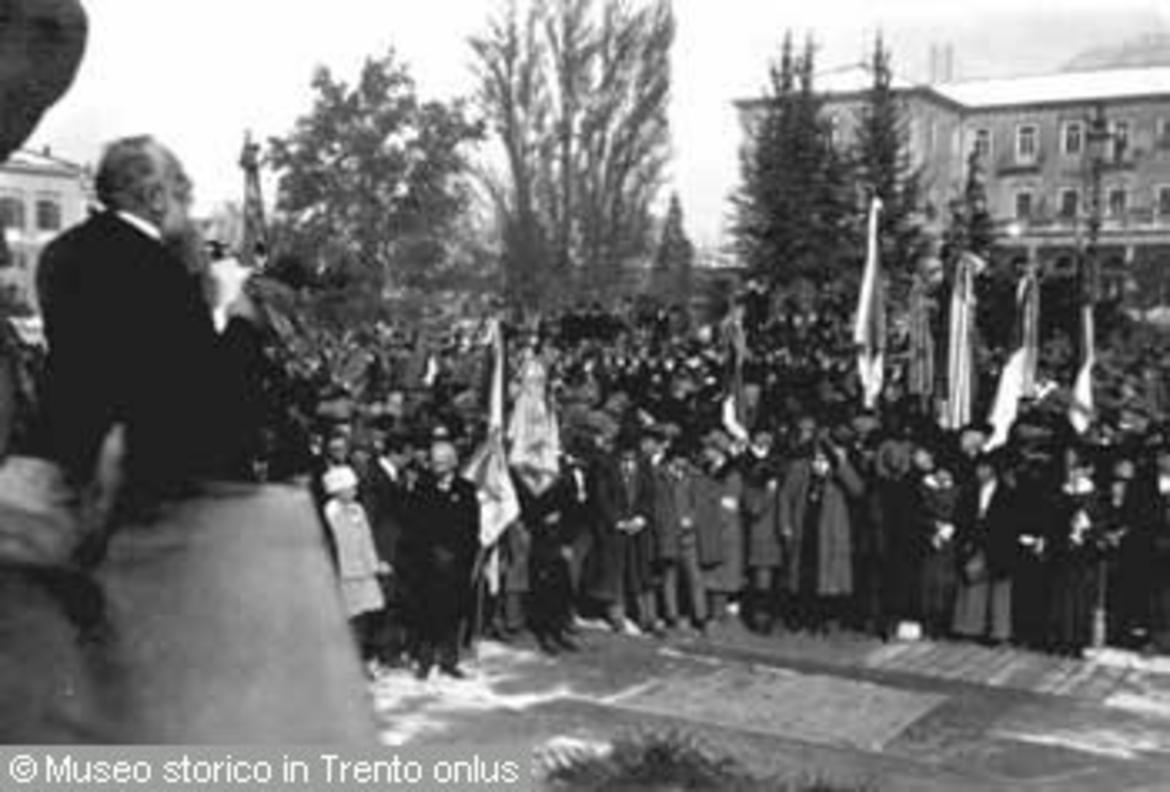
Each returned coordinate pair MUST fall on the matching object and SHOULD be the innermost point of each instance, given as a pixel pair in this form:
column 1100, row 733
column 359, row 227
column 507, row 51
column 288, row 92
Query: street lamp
column 1097, row 138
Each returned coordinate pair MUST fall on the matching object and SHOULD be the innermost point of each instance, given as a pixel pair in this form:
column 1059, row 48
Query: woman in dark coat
column 1128, row 529
column 938, row 497
column 719, row 495
column 761, row 487
column 815, row 519
column 1078, row 519
column 897, row 496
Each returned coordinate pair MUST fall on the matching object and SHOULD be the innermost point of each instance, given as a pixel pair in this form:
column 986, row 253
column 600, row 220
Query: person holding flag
column 499, row 505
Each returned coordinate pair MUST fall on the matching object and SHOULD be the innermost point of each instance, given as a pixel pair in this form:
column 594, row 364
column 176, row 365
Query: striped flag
column 921, row 375
column 869, row 334
column 1018, row 378
column 735, row 419
column 499, row 505
column 1081, row 409
column 961, row 344
column 534, row 436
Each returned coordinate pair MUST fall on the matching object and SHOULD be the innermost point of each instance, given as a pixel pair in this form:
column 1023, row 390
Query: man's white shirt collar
column 145, row 226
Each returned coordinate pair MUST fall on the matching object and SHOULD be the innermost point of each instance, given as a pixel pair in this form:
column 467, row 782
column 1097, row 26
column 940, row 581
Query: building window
column 1120, row 138
column 1073, row 139
column 1023, row 205
column 983, row 143
column 1162, row 130
column 1027, row 143
column 1070, row 204
column 48, row 215
column 1117, row 201
column 1164, row 202
column 12, row 212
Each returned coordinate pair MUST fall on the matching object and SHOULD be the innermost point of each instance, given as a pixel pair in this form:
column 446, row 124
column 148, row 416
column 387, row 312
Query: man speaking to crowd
column 131, row 336
column 226, row 624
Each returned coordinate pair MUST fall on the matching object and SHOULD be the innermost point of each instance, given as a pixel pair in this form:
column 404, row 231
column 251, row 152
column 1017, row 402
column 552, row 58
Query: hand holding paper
column 227, row 277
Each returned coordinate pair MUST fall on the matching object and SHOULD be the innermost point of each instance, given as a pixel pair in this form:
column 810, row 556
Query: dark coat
column 761, row 513
column 720, row 530
column 994, row 536
column 387, row 503
column 621, row 557
column 667, row 518
column 131, row 341
column 440, row 547
column 834, row 572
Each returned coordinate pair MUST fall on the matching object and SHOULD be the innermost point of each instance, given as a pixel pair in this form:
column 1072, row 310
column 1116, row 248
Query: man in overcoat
column 441, row 545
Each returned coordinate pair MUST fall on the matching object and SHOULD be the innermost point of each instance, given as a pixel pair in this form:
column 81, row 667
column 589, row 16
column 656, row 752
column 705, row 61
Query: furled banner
column 870, row 332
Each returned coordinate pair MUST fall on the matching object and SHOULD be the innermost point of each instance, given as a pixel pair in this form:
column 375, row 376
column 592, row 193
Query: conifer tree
column 674, row 262
column 792, row 208
column 884, row 167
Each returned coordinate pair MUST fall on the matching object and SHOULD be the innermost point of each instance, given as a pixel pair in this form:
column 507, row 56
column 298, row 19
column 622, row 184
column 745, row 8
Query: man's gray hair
column 128, row 167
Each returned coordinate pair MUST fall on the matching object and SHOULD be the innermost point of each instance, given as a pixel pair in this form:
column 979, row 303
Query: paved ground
column 896, row 716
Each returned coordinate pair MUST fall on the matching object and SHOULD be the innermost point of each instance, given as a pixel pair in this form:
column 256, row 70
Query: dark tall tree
column 577, row 93
column 672, row 274
column 884, row 167
column 372, row 180
column 793, row 207
column 971, row 228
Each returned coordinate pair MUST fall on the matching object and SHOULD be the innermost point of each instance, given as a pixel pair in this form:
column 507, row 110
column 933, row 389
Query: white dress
column 357, row 558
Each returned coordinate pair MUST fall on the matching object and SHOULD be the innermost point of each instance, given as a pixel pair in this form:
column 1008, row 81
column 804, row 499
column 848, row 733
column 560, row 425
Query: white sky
column 197, row 73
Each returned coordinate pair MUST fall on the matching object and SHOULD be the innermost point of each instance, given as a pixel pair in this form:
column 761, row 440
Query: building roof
column 854, row 82
column 1061, row 88
column 854, row 79
column 42, row 163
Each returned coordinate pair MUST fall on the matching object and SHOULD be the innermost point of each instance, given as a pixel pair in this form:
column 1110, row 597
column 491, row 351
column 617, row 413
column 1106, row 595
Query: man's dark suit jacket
column 131, row 341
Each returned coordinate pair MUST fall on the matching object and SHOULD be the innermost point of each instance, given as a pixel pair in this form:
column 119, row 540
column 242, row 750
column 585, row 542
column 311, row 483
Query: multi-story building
column 1040, row 162
column 40, row 195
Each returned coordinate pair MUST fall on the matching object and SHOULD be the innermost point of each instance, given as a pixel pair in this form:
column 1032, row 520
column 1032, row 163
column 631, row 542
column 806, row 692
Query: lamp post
column 1097, row 138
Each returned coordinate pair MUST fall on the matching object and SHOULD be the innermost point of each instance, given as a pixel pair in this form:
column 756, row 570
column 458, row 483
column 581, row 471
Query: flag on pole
column 1018, row 378
column 534, row 435
column 870, row 332
column 735, row 419
column 961, row 344
column 499, row 506
column 921, row 375
column 1081, row 409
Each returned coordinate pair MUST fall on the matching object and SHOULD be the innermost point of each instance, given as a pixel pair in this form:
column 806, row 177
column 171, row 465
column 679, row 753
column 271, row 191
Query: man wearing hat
column 623, row 571
column 987, row 552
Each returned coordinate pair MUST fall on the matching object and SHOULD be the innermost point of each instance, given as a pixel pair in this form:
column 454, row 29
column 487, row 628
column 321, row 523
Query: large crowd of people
column 697, row 473
column 819, row 516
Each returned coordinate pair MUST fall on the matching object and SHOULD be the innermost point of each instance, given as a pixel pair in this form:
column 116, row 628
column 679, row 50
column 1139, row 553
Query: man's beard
column 186, row 245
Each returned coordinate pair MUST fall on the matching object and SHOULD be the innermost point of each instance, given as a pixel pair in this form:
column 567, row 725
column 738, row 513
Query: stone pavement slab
column 815, row 708
column 892, row 729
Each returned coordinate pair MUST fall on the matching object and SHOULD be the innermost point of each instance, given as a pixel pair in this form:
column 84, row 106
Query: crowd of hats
column 616, row 376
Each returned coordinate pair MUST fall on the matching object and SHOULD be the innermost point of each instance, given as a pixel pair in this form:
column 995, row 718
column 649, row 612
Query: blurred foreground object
column 223, row 626
column 41, row 45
